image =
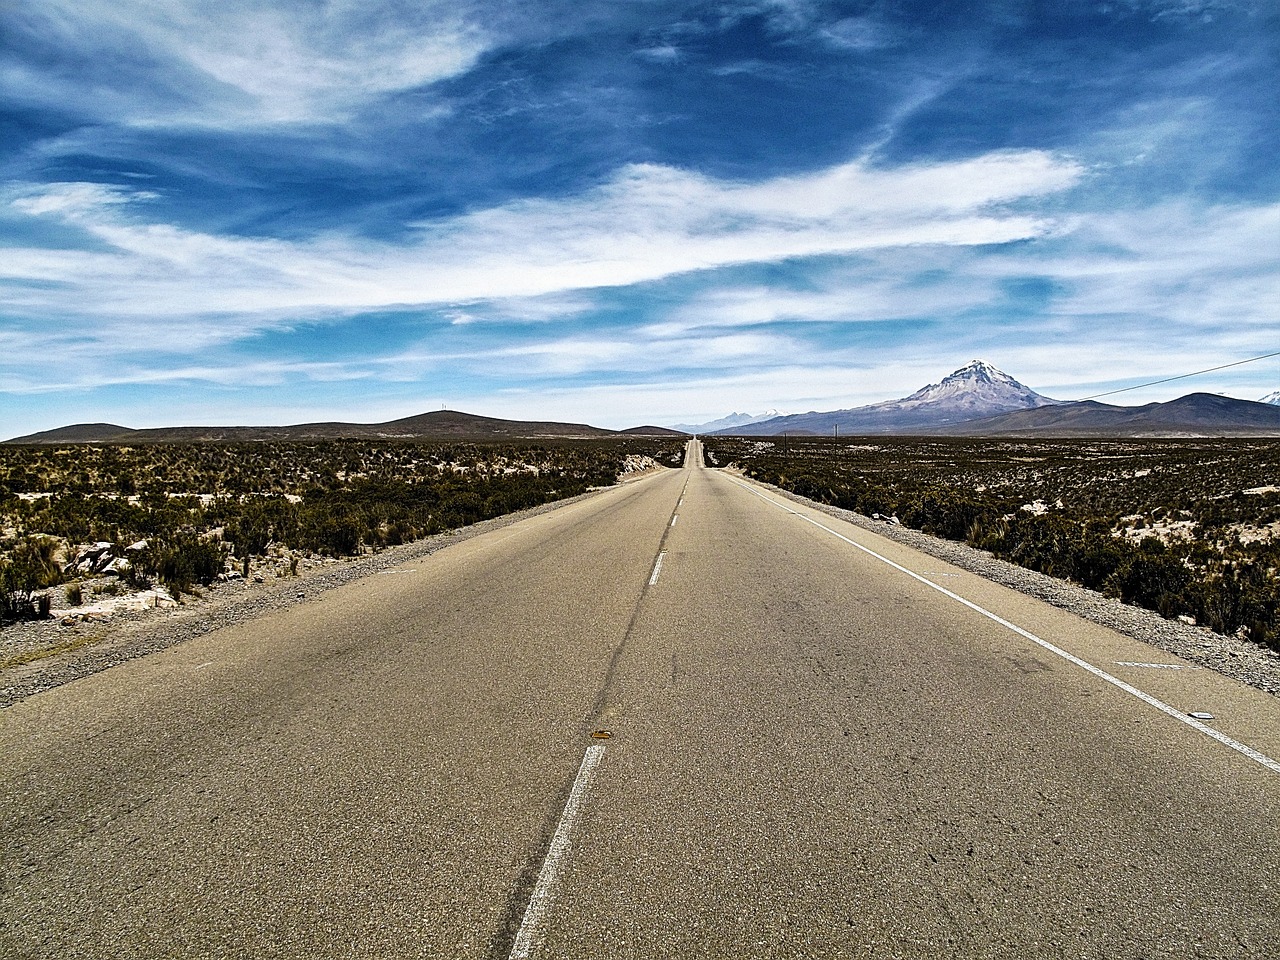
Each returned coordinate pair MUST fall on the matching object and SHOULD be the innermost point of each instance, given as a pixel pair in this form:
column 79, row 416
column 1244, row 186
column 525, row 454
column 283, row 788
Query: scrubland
column 89, row 519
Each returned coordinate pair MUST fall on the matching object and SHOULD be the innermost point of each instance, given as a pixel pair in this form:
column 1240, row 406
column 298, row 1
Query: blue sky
column 626, row 211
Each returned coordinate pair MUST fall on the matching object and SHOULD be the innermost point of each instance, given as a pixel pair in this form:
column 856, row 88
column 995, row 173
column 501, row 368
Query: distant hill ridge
column 1195, row 415
column 976, row 400
column 436, row 425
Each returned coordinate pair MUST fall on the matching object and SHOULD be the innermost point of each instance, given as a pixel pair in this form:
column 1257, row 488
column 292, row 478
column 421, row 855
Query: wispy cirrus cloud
column 930, row 245
column 237, row 63
column 1197, row 275
column 645, row 223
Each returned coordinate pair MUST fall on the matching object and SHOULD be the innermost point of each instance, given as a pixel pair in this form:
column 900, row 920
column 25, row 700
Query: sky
column 627, row 211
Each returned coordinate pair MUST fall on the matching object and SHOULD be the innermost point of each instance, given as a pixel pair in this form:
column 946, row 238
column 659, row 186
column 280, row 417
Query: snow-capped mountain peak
column 979, row 371
column 974, row 392
column 1272, row 397
column 976, row 389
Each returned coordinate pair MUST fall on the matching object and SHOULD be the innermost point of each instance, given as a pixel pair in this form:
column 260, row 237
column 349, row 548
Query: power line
column 1183, row 376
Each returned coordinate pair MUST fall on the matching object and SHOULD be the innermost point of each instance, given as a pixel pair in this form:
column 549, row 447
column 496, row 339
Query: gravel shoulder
column 62, row 653
column 1231, row 656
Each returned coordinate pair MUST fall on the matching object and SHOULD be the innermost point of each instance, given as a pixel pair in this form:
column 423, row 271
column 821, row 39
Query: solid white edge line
column 657, row 569
column 1146, row 698
column 535, row 914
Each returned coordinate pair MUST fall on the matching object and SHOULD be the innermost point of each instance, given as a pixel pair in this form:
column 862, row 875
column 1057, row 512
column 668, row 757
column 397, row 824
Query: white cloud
column 861, row 34
column 247, row 63
column 1211, row 272
column 648, row 222
column 1134, row 292
column 885, row 287
column 544, row 309
column 1155, row 285
column 1189, row 9
column 68, row 199
column 662, row 53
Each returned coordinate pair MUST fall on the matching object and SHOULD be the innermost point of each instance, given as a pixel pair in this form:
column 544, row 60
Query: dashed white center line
column 674, row 519
column 1189, row 720
column 657, row 569
column 535, row 914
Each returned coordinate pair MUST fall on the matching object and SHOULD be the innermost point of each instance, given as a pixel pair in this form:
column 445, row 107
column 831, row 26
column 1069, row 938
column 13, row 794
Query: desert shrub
column 324, row 530
column 1237, row 594
column 29, row 567
column 179, row 562
column 944, row 513
column 249, row 535
column 1152, row 576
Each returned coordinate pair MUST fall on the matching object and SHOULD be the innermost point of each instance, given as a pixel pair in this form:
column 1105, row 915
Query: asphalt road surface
column 813, row 753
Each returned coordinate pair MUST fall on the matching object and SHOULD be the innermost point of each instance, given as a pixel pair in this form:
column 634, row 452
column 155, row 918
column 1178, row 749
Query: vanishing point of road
column 819, row 744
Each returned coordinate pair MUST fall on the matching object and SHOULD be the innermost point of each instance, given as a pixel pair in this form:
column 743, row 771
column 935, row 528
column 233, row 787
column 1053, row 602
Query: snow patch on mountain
column 974, row 392
column 724, row 423
column 977, row 389
column 1272, row 397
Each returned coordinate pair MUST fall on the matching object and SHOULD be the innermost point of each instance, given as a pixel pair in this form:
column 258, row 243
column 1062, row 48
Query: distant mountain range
column 724, row 423
column 437, row 425
column 980, row 400
column 975, row 391
column 976, row 400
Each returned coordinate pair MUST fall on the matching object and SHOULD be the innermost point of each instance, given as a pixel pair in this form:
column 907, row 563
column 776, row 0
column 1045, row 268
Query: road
column 812, row 752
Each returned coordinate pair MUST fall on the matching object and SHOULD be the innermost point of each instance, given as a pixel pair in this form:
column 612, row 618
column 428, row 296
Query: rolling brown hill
column 651, row 431
column 1195, row 415
column 76, row 433
column 436, row 425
